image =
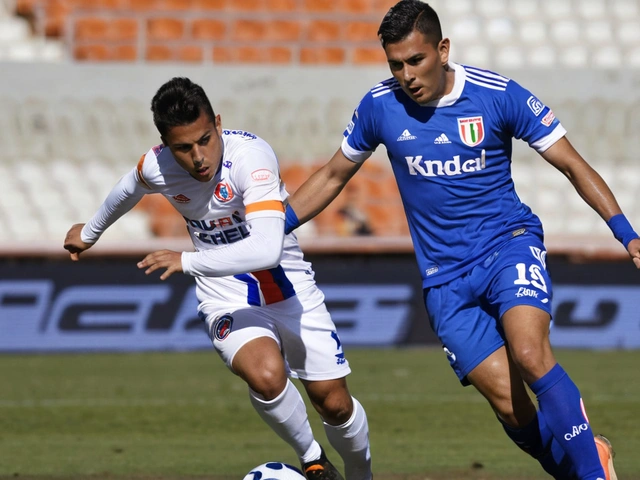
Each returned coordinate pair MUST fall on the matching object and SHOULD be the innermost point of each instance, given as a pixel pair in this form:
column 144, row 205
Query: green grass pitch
column 170, row 416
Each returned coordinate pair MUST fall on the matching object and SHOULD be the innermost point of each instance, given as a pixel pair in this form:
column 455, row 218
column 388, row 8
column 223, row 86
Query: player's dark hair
column 179, row 102
column 405, row 17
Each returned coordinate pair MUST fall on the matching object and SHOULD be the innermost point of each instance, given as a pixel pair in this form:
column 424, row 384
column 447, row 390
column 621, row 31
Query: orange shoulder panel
column 140, row 176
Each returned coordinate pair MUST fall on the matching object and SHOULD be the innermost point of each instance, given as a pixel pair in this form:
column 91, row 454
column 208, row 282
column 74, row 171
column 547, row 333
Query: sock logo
column 577, row 430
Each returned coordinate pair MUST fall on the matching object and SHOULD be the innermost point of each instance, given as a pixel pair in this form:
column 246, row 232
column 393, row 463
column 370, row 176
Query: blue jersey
column 452, row 161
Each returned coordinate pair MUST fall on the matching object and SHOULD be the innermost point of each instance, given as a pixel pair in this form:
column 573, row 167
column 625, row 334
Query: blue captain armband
column 291, row 221
column 622, row 229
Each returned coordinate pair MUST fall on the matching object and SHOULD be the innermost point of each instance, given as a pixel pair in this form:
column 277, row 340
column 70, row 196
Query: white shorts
column 301, row 326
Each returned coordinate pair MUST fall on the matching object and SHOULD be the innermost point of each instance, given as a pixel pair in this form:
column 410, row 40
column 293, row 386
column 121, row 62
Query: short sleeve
column 360, row 139
column 529, row 119
column 258, row 178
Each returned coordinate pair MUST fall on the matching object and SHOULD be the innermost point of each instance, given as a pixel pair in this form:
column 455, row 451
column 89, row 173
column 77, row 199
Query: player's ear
column 218, row 122
column 443, row 51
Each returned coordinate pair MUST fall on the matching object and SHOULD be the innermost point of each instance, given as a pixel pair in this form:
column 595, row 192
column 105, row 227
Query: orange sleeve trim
column 266, row 205
column 140, row 176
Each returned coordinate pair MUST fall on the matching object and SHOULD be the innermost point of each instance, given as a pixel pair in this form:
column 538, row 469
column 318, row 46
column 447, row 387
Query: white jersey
column 246, row 186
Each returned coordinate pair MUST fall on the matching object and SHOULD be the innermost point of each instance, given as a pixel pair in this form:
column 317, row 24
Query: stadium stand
column 568, row 39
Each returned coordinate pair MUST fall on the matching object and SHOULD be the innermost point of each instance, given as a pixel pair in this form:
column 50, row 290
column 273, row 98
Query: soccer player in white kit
column 264, row 313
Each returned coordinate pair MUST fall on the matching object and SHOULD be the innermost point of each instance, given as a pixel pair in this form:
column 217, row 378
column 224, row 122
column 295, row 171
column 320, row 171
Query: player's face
column 419, row 66
column 197, row 147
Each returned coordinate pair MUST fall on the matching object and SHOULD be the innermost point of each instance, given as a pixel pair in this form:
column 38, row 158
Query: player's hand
column 74, row 244
column 168, row 259
column 634, row 251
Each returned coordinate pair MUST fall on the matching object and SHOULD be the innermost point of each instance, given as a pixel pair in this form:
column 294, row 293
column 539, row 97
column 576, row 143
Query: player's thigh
column 517, row 276
column 231, row 330
column 468, row 333
column 310, row 341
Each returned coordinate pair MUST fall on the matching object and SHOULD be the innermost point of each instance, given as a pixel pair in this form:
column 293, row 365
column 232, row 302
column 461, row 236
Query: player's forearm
column 314, row 195
column 262, row 250
column 594, row 191
column 122, row 198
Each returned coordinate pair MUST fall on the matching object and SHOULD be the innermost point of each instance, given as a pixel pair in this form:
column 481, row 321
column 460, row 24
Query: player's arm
column 319, row 190
column 260, row 251
column 595, row 192
column 122, row 198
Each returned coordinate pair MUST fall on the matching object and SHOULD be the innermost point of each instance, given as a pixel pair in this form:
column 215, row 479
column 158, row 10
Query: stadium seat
column 598, row 32
column 523, row 9
column 593, row 9
column 532, row 32
column 208, row 29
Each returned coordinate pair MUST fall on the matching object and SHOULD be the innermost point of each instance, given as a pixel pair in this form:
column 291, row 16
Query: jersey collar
column 458, row 85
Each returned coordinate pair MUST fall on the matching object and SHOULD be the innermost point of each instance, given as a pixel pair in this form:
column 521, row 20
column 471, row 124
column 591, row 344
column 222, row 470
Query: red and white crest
column 471, row 130
column 223, row 192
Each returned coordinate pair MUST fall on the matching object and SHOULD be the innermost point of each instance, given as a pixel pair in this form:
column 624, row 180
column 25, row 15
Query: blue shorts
column 465, row 313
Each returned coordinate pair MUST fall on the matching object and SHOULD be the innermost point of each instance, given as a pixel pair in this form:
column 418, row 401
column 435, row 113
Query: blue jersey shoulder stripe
column 384, row 87
column 486, row 73
column 486, row 80
column 385, row 91
column 486, row 85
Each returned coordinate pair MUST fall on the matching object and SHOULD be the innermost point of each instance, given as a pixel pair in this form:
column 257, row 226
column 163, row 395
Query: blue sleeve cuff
column 291, row 221
column 622, row 229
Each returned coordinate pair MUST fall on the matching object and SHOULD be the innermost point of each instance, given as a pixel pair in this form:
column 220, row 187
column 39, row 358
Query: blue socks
column 537, row 440
column 562, row 408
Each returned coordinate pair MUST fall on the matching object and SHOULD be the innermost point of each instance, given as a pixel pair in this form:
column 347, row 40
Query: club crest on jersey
column 222, row 327
column 223, row 192
column 471, row 130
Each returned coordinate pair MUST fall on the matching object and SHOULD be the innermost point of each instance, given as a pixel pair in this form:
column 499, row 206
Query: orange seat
column 208, row 29
column 248, row 30
column 91, row 28
column 369, row 55
column 209, row 4
column 361, row 31
column 323, row 31
column 281, row 5
column 164, row 28
column 316, row 6
column 158, row 53
column 329, row 55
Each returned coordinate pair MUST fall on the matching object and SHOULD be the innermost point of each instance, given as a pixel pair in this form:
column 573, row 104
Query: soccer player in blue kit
column 448, row 129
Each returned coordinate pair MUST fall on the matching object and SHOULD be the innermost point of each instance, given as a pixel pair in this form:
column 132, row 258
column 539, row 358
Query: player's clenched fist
column 73, row 242
column 168, row 259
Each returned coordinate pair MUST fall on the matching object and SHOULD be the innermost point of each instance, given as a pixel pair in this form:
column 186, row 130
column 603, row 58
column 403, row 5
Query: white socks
column 287, row 416
column 351, row 441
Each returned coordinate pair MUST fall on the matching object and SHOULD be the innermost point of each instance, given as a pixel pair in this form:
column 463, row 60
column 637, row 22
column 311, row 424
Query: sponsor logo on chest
column 436, row 168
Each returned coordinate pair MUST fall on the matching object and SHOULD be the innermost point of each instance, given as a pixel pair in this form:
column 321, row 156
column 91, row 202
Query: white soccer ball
column 274, row 471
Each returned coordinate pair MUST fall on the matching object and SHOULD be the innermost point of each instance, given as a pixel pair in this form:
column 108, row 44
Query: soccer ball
column 274, row 471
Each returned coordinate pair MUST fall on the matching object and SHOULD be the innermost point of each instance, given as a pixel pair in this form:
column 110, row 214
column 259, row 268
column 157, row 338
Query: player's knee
column 531, row 362
column 336, row 407
column 268, row 380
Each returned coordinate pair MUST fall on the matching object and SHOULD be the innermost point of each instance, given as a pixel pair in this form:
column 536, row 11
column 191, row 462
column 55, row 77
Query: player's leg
column 516, row 412
column 314, row 354
column 345, row 423
column 248, row 344
column 527, row 332
column 519, row 294
column 474, row 343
